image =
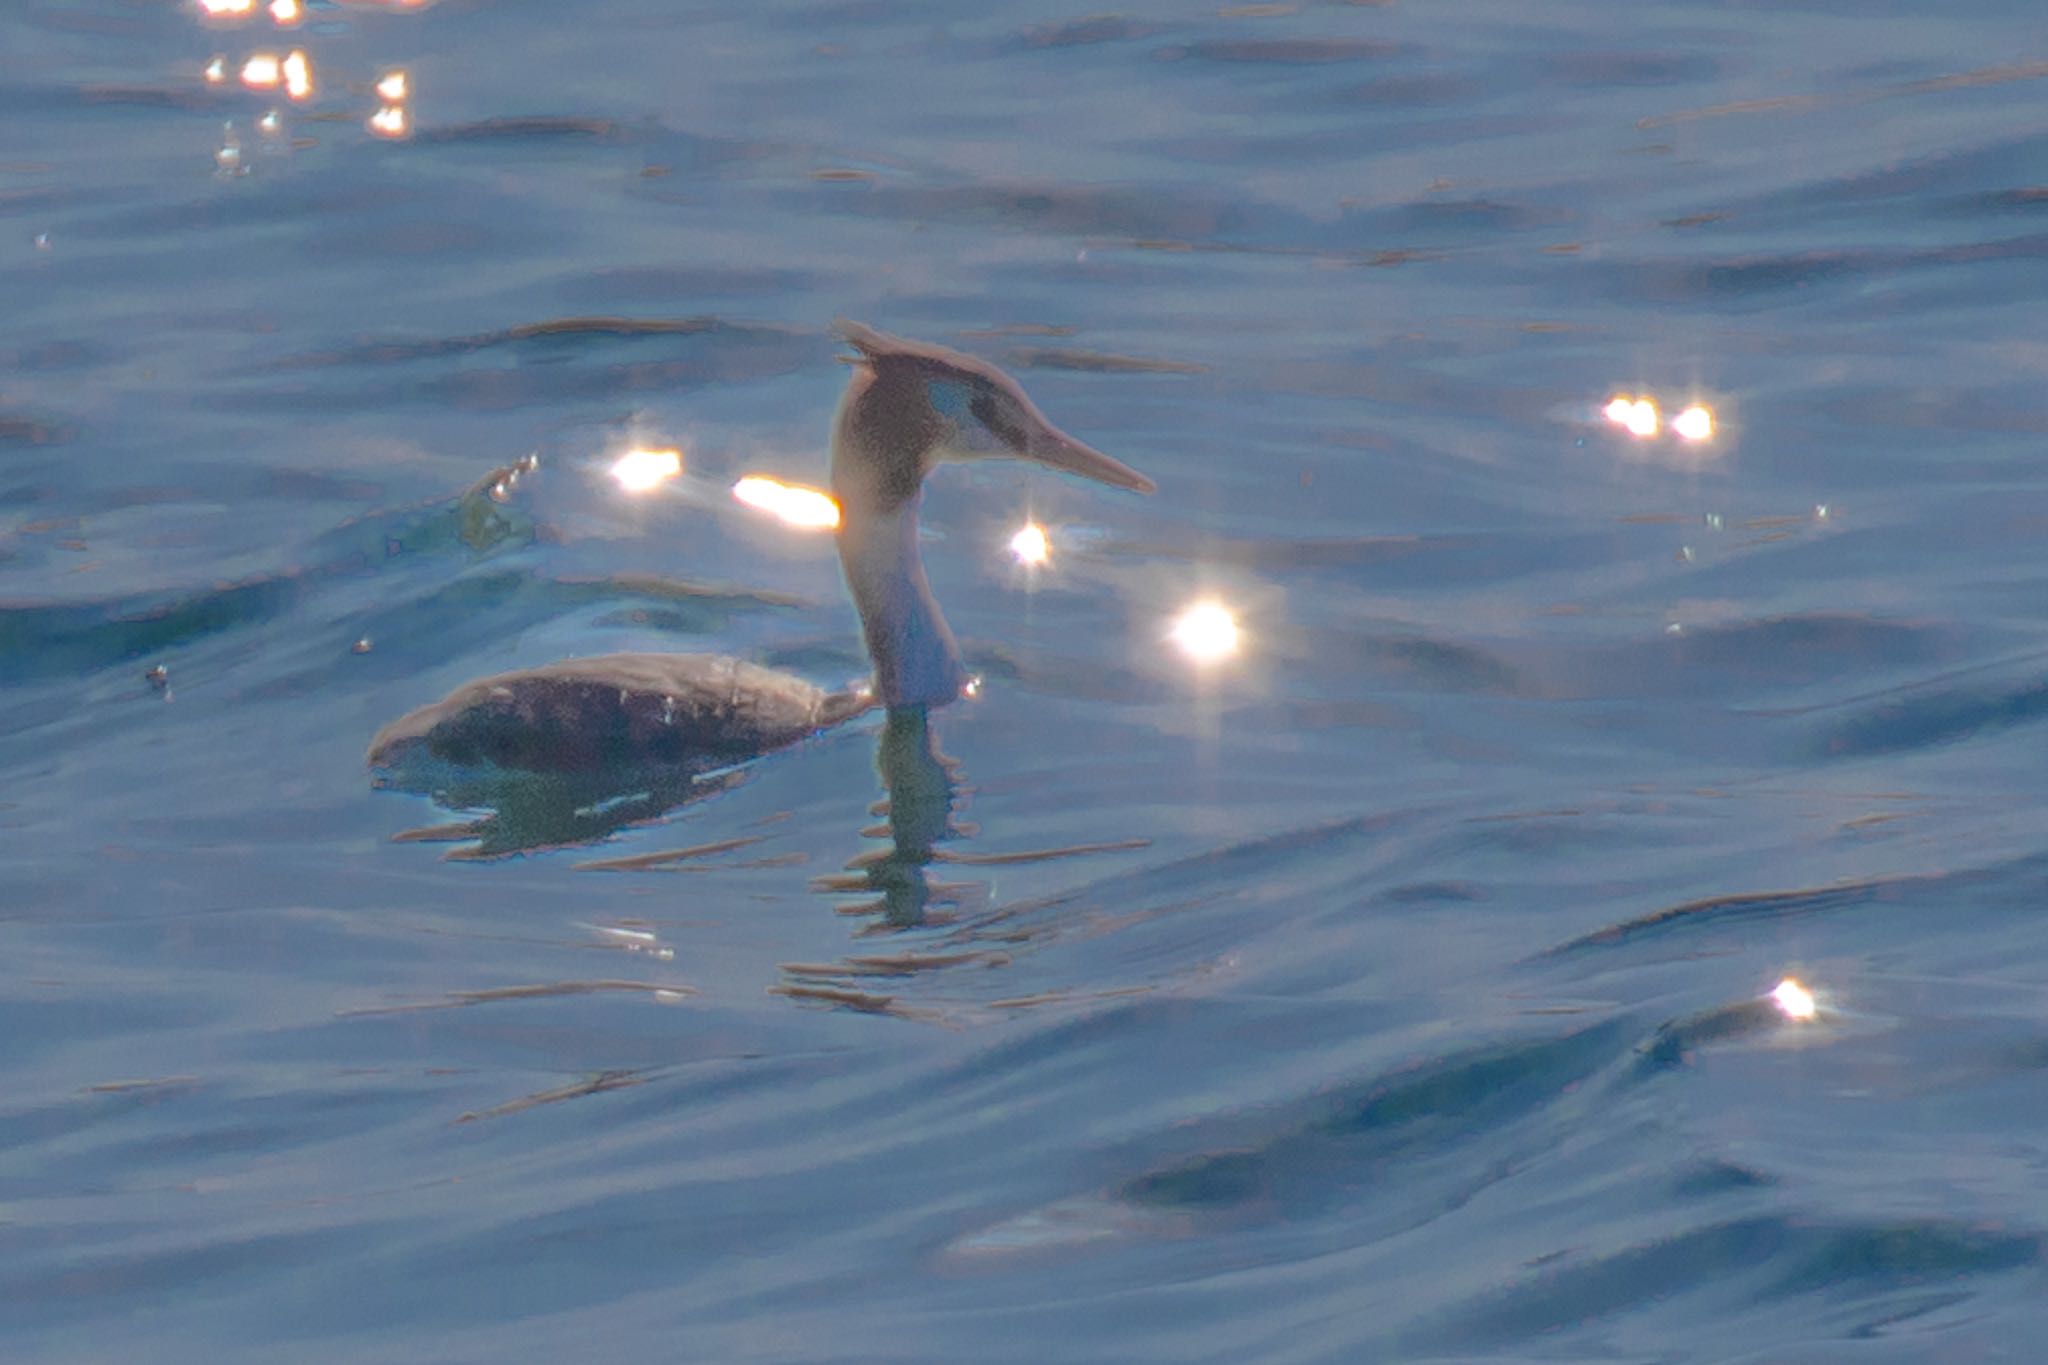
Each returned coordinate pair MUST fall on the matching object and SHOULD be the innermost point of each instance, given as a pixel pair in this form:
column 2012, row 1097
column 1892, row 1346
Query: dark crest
column 882, row 351
column 881, row 348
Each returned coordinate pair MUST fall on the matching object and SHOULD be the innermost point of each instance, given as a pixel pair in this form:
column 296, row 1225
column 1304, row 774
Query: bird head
column 912, row 404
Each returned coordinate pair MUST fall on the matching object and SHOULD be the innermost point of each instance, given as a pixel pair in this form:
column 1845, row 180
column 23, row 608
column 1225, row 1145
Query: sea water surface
column 1394, row 990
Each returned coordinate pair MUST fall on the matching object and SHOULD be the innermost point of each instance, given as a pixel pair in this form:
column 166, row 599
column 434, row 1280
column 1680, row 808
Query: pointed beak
column 1051, row 446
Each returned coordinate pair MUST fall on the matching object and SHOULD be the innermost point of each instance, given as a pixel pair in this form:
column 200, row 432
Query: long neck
column 915, row 657
column 881, row 435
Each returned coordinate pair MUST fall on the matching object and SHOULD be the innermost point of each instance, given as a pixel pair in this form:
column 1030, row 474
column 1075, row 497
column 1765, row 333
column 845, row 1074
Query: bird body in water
column 908, row 406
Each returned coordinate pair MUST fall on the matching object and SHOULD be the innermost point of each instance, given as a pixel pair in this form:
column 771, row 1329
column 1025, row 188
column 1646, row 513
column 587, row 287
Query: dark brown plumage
column 616, row 711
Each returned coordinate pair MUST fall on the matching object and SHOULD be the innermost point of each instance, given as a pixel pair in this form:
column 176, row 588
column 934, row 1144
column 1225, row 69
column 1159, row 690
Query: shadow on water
column 1372, row 1128
column 1879, row 1273
column 1401, row 1148
column 1951, row 709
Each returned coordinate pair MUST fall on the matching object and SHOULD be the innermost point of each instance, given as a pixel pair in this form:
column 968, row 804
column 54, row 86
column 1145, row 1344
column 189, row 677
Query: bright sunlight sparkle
column 1794, row 1000
column 806, row 509
column 1696, row 423
column 1030, row 545
column 643, row 471
column 1206, row 632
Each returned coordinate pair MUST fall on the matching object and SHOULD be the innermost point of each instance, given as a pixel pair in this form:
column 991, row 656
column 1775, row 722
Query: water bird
column 908, row 406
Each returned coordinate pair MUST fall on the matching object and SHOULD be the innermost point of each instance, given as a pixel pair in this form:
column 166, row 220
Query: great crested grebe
column 908, row 406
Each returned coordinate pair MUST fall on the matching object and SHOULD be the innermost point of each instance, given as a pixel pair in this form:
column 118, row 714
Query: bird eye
column 986, row 412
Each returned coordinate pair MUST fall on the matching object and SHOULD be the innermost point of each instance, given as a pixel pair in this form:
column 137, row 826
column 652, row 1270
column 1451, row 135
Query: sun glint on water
column 1795, row 1000
column 262, row 71
column 298, row 75
column 1637, row 415
column 1696, row 423
column 807, row 509
column 1030, row 545
column 1206, row 632
column 643, row 471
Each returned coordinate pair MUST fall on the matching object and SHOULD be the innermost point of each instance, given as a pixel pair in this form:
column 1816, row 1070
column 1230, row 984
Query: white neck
column 915, row 657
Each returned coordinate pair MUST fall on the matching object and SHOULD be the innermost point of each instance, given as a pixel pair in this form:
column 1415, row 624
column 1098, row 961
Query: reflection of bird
column 921, row 783
column 909, row 405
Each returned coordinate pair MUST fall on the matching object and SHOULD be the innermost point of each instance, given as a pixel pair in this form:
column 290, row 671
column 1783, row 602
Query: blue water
column 1394, row 991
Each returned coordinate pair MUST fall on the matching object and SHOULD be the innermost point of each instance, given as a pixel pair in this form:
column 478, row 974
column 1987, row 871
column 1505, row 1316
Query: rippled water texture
column 1395, row 989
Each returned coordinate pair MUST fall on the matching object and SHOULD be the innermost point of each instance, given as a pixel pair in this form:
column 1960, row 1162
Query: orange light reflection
column 807, row 509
